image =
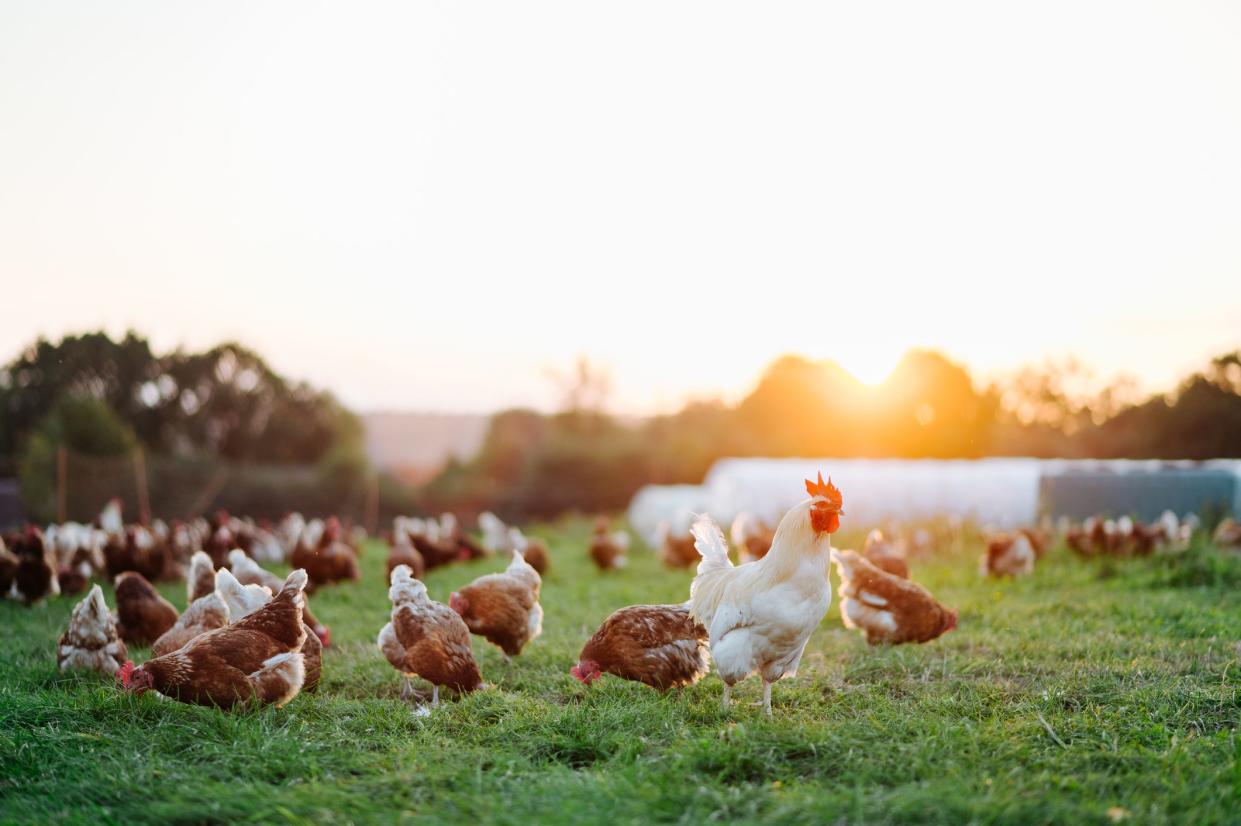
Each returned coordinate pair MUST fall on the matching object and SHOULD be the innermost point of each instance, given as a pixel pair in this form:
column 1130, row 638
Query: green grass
column 1079, row 689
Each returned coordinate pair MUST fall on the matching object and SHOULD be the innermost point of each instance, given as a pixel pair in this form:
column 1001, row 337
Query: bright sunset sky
column 426, row 205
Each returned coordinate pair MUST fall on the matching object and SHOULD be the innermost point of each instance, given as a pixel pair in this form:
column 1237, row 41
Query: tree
column 927, row 407
column 1202, row 420
column 226, row 401
column 85, row 426
column 85, row 366
column 584, row 389
column 805, row 408
column 683, row 446
column 534, row 465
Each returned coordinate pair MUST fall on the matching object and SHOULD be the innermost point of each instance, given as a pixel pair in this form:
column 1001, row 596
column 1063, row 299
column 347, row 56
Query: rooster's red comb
column 828, row 491
column 126, row 673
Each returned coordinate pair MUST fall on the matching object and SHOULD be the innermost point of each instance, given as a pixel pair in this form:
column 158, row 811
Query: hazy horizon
column 425, row 208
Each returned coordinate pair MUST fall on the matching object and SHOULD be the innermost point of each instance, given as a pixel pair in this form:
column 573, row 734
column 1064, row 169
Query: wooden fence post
column 140, row 477
column 216, row 484
column 372, row 503
column 62, row 484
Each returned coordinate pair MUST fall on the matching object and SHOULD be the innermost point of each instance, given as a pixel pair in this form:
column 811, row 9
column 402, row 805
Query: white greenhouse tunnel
column 1000, row 492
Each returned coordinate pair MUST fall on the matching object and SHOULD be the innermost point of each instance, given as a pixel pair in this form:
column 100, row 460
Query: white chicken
column 496, row 537
column 760, row 615
column 110, row 519
column 242, row 600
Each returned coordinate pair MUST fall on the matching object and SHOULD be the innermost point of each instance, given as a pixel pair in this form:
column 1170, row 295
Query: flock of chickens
column 247, row 635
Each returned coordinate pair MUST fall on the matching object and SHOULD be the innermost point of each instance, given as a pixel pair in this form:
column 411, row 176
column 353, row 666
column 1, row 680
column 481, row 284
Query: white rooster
column 760, row 615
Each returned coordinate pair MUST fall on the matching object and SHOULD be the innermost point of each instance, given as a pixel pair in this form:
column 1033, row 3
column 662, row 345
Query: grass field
column 1086, row 693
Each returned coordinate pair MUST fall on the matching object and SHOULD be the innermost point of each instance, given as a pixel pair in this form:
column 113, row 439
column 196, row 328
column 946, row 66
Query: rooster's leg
column 728, row 696
column 767, row 697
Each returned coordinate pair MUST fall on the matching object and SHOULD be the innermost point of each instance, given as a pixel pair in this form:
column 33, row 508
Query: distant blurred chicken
column 532, row 548
column 503, row 608
column 1174, row 535
column 468, row 548
column 91, row 642
column 457, row 542
column 433, row 546
column 1040, row 540
column 401, row 551
column 1126, row 536
column 658, row 645
column 289, row 532
column 135, row 548
column 676, row 548
column 1136, row 538
column 427, row 639
column 1008, row 555
column 143, row 616
column 887, row 608
column 257, row 541
column 885, row 555
column 328, row 559
column 8, row 568
column 71, row 582
column 78, row 552
column 751, row 537
column 220, row 538
column 111, row 519
column 496, row 536
column 607, row 550
column 1228, row 534
column 1079, row 539
column 35, row 576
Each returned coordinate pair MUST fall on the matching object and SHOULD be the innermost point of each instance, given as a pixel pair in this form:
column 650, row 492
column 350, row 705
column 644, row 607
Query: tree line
column 99, row 396
column 929, row 407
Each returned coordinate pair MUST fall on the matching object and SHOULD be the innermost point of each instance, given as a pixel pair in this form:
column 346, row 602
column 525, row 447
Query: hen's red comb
column 827, row 491
column 126, row 673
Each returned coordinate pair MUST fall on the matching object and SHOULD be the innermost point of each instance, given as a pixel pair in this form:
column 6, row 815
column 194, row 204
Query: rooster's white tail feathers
column 709, row 540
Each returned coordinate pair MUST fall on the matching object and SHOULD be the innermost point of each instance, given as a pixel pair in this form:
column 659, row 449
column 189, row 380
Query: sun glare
column 870, row 367
column 869, row 373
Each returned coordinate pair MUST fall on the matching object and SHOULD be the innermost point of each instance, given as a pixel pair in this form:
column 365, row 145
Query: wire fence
column 168, row 487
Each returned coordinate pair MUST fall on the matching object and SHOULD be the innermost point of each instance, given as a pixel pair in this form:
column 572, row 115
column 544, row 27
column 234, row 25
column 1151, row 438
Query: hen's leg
column 728, row 696
column 435, row 696
column 767, row 697
column 407, row 689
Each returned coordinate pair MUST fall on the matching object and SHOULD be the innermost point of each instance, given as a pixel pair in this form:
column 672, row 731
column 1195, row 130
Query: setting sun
column 871, row 367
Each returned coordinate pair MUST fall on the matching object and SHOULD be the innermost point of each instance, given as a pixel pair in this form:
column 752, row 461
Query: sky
column 430, row 206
